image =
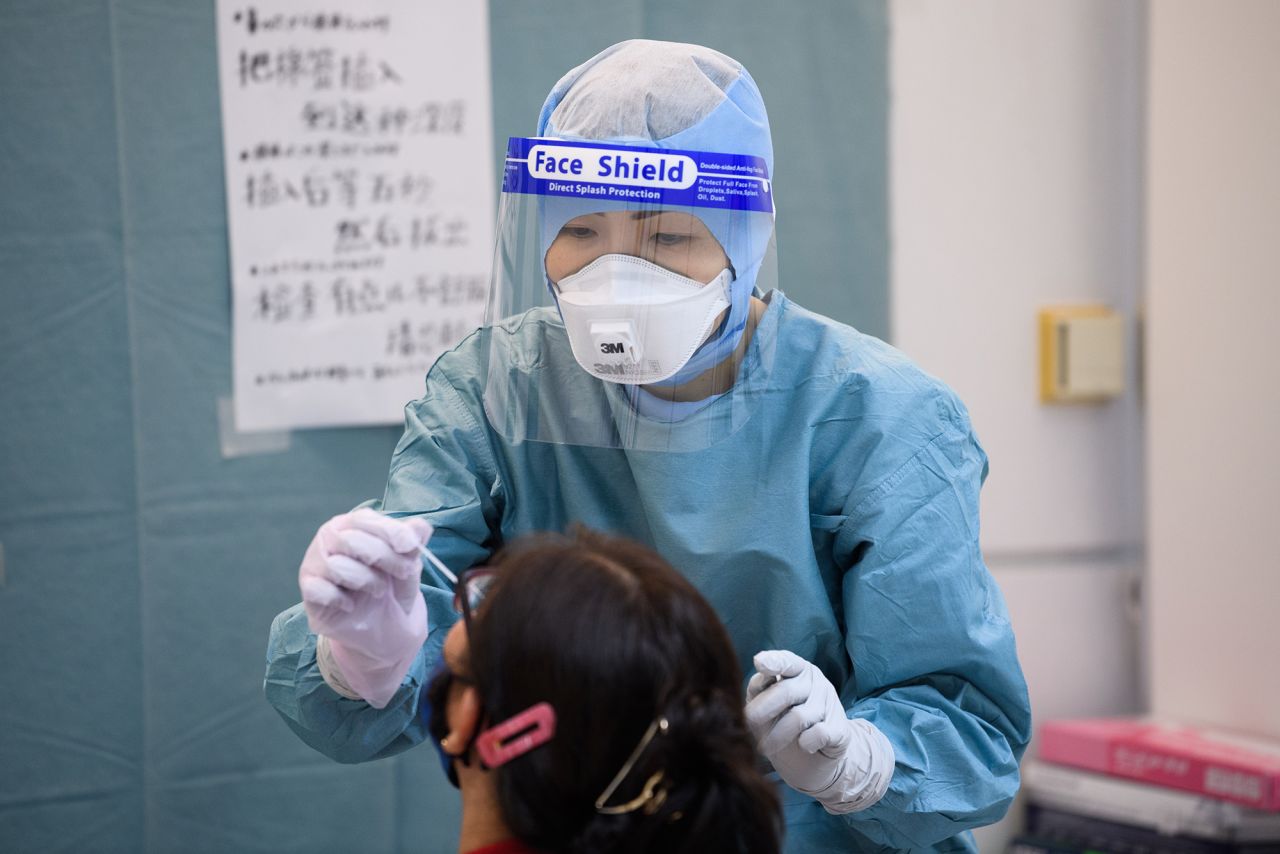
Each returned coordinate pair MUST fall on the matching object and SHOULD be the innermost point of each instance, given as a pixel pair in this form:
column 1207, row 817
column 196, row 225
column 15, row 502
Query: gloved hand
column 359, row 582
column 800, row 725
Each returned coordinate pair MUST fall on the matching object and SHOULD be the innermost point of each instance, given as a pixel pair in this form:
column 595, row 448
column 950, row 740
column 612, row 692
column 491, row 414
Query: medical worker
column 640, row 372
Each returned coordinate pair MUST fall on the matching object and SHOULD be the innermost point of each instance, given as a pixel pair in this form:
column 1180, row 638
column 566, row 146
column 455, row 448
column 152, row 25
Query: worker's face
column 678, row 241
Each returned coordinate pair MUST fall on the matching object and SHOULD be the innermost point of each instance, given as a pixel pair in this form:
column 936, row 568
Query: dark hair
column 612, row 637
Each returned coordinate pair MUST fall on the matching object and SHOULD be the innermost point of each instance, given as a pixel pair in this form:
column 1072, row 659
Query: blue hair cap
column 664, row 95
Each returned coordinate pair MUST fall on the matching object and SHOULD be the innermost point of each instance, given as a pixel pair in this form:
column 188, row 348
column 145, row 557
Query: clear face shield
column 625, row 304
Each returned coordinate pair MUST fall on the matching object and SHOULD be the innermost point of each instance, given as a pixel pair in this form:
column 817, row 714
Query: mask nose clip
column 616, row 338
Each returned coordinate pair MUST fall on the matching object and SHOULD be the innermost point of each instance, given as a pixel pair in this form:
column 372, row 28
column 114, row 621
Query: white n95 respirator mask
column 631, row 321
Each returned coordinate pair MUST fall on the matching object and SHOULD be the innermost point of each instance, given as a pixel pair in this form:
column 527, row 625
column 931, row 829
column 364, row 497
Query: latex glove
column 359, row 582
column 800, row 725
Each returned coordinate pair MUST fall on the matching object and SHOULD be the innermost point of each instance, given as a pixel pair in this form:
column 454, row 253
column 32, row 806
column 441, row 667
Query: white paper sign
column 358, row 146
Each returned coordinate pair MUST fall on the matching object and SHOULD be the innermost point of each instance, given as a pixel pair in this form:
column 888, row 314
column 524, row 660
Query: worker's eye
column 578, row 232
column 671, row 238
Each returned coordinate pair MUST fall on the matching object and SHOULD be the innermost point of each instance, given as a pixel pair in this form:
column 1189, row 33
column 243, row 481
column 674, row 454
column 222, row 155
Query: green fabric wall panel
column 71, row 723
column 143, row 567
column 58, row 133
column 99, row 823
column 336, row 808
column 429, row 810
column 70, row 648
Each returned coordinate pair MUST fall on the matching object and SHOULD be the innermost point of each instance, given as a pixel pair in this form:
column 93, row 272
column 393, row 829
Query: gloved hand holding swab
column 360, row 587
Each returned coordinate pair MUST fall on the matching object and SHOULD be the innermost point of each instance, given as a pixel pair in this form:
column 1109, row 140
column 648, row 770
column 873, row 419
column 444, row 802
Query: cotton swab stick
column 436, row 562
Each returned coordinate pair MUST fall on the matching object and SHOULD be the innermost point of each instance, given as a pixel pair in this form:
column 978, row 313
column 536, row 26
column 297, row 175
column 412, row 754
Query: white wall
column 1017, row 183
column 1213, row 292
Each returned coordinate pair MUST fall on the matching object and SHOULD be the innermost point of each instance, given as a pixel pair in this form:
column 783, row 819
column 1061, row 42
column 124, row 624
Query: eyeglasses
column 472, row 587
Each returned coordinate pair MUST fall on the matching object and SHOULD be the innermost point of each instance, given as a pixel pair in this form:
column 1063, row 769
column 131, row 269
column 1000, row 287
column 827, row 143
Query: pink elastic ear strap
column 495, row 751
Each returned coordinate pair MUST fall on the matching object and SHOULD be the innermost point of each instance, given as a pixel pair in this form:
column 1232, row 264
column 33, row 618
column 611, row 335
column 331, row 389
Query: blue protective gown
column 840, row 522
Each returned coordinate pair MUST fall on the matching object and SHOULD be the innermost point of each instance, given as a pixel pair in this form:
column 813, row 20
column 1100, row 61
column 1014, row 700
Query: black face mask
column 431, row 709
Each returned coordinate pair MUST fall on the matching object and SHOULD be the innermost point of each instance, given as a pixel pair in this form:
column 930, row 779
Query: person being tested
column 589, row 700
column 640, row 372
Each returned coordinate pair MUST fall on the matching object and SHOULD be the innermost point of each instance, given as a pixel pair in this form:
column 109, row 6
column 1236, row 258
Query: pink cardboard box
column 1195, row 759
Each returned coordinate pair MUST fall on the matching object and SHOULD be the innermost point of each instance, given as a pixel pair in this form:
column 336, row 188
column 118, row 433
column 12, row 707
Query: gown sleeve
column 934, row 663
column 443, row 469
